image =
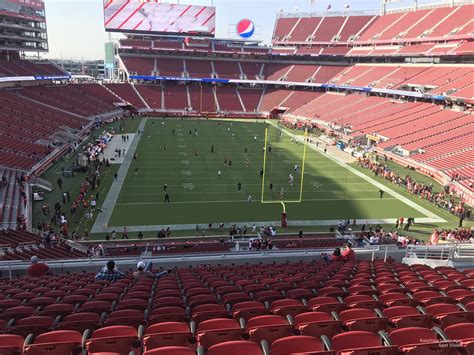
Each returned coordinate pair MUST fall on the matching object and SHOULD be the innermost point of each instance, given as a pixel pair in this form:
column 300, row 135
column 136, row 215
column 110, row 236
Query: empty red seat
column 462, row 333
column 431, row 297
column 287, row 306
column 98, row 307
column 235, row 297
column 133, row 303
column 362, row 301
column 326, row 304
column 301, row 344
column 208, row 311
column 449, row 314
column 363, row 319
column 420, row 341
column 397, row 299
column 168, row 334
column 248, row 309
column 114, row 339
column 130, row 317
column 214, row 331
column 300, row 293
column 175, row 350
column 267, row 327
column 406, row 316
column 317, row 324
column 268, row 295
column 32, row 325
column 11, row 344
column 167, row 314
column 236, row 347
column 461, row 295
column 360, row 342
column 56, row 342
column 57, row 309
column 17, row 312
column 80, row 322
column 41, row 301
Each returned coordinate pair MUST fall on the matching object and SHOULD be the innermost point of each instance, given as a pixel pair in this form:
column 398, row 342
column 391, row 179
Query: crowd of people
column 452, row 236
column 444, row 199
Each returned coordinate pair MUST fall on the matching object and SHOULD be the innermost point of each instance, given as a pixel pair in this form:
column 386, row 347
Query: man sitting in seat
column 109, row 272
column 144, row 271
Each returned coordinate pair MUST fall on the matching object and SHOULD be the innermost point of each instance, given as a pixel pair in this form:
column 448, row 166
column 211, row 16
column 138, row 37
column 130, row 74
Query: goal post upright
column 264, row 164
column 282, row 202
column 305, row 145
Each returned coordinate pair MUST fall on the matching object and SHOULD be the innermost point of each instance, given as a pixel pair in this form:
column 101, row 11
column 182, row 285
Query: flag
column 329, row 7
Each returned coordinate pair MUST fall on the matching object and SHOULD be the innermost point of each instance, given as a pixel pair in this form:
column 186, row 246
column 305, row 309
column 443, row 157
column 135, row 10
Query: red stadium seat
column 363, row 319
column 236, row 347
column 249, row 309
column 362, row 301
column 175, row 350
column 449, row 314
column 56, row 342
column 80, row 322
column 317, row 324
column 167, row 314
column 462, row 333
column 420, row 341
column 300, row 344
column 32, row 325
column 11, row 344
column 214, row 331
column 267, row 327
column 114, row 339
column 397, row 299
column 286, row 307
column 168, row 334
column 359, row 343
column 208, row 311
column 326, row 304
column 131, row 317
column 406, row 316
column 58, row 309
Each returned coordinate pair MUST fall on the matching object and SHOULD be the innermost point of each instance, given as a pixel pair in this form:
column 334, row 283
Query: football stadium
column 297, row 186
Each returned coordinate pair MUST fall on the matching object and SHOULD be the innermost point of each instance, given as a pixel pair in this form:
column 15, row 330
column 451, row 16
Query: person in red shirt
column 348, row 254
column 336, row 255
column 37, row 269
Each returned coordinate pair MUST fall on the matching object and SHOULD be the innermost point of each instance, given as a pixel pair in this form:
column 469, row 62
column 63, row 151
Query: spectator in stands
column 37, row 269
column 109, row 272
column 348, row 254
column 144, row 270
column 336, row 255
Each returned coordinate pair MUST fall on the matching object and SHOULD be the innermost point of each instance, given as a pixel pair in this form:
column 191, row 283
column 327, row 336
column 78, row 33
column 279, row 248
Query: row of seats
column 17, row 67
column 307, row 306
column 220, row 337
column 408, row 26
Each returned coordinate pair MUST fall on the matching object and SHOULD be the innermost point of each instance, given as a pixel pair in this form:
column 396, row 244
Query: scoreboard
column 148, row 16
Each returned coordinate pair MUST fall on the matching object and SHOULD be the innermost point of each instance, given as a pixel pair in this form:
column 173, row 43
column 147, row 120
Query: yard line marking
column 186, row 186
column 245, row 201
column 187, row 172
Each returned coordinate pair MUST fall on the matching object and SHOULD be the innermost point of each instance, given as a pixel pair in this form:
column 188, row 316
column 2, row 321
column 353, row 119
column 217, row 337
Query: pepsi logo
column 245, row 28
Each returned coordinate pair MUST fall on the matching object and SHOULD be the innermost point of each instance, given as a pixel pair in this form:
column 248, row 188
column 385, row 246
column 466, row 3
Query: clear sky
column 76, row 28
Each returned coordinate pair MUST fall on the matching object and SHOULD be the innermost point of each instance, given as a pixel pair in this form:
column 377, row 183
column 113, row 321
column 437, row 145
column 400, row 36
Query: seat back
column 56, row 342
column 114, row 339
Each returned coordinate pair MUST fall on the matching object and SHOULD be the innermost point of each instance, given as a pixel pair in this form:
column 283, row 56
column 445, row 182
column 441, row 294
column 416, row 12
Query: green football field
column 170, row 152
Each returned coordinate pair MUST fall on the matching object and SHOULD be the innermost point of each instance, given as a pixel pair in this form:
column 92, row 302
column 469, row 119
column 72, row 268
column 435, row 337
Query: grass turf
column 199, row 196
